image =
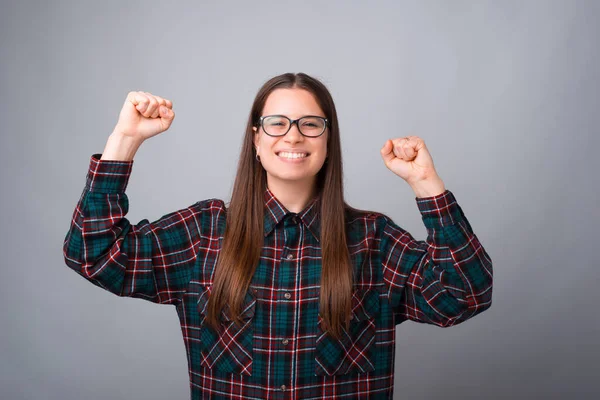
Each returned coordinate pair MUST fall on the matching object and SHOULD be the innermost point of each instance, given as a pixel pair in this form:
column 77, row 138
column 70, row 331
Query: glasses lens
column 275, row 125
column 311, row 126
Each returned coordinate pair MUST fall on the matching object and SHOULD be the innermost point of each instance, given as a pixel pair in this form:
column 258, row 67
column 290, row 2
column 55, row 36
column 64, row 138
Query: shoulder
column 211, row 211
column 210, row 206
column 207, row 212
column 372, row 225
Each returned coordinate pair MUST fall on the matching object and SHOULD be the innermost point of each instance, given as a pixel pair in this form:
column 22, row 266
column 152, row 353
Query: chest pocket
column 354, row 352
column 229, row 350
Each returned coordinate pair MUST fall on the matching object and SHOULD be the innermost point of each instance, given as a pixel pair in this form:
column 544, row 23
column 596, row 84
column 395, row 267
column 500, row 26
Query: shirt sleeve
column 149, row 260
column 444, row 280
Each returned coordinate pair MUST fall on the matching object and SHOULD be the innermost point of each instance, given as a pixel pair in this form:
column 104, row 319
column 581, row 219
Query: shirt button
column 285, row 342
column 290, row 256
column 283, row 387
column 288, row 295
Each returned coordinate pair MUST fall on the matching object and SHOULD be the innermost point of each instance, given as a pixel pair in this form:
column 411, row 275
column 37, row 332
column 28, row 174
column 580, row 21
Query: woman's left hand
column 409, row 158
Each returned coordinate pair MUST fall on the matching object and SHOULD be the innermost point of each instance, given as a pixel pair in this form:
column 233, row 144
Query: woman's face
column 292, row 158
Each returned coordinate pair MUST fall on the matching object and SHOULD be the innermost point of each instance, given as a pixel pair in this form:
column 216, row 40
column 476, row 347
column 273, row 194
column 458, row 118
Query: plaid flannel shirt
column 280, row 351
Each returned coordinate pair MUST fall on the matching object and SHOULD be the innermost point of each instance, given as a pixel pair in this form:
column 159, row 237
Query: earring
column 257, row 156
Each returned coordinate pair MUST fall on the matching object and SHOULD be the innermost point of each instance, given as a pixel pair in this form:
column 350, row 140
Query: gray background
column 504, row 93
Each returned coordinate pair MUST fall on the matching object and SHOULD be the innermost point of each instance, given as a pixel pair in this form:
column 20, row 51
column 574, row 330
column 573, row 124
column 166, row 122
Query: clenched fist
column 409, row 158
column 144, row 115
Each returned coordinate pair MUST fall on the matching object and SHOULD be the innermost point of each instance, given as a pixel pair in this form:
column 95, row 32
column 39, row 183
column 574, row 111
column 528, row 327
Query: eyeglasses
column 279, row 125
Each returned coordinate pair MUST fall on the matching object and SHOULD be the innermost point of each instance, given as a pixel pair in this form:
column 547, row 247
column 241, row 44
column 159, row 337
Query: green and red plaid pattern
column 280, row 350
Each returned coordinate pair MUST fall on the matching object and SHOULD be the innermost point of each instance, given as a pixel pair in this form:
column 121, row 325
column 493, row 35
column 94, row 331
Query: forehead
column 293, row 103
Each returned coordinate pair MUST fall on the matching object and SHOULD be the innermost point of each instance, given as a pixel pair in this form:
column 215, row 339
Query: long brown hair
column 244, row 231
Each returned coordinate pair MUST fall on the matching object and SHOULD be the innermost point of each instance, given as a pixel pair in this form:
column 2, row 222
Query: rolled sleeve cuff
column 108, row 176
column 439, row 211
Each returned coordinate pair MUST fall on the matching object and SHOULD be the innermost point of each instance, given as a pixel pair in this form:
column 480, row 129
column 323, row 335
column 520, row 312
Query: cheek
column 323, row 148
column 322, row 156
column 262, row 142
column 256, row 141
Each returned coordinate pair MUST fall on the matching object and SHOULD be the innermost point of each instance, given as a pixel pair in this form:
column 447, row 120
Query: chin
column 291, row 173
column 292, row 177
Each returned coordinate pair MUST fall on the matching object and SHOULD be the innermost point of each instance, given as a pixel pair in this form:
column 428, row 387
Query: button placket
column 289, row 258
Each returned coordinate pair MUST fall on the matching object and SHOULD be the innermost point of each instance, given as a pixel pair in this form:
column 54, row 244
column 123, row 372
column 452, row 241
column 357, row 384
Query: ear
column 256, row 139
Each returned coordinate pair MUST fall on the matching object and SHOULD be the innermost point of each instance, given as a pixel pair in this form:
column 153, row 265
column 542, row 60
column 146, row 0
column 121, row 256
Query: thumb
column 387, row 152
column 166, row 114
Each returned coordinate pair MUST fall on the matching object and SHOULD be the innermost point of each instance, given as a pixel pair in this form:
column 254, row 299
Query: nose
column 293, row 135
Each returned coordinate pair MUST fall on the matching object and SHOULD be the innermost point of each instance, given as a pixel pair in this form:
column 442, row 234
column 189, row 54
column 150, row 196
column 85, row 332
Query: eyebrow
column 304, row 115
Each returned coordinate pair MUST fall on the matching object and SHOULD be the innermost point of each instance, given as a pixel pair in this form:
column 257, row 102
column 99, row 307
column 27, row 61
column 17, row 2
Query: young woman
column 288, row 292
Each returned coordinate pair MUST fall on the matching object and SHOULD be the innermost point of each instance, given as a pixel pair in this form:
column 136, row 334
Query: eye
column 313, row 123
column 276, row 121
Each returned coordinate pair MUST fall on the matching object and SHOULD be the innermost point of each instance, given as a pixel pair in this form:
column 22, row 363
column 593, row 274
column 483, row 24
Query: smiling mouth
column 292, row 155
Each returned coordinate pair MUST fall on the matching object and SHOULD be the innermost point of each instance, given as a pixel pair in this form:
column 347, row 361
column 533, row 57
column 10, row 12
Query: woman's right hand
column 144, row 115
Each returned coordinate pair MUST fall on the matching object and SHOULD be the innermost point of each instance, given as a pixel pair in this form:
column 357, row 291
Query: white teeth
column 292, row 155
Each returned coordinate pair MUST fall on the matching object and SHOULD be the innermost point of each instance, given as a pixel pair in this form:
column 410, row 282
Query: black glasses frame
column 292, row 122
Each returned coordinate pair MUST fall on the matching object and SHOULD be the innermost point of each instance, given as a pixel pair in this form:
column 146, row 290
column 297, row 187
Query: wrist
column 120, row 147
column 429, row 187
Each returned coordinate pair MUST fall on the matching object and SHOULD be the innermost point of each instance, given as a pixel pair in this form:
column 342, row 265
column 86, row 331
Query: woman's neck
column 294, row 196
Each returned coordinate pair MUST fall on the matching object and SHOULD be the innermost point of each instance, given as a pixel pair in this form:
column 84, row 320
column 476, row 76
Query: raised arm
column 150, row 260
column 448, row 278
column 444, row 280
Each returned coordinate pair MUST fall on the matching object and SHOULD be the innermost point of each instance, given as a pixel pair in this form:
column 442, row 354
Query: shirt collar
column 275, row 212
